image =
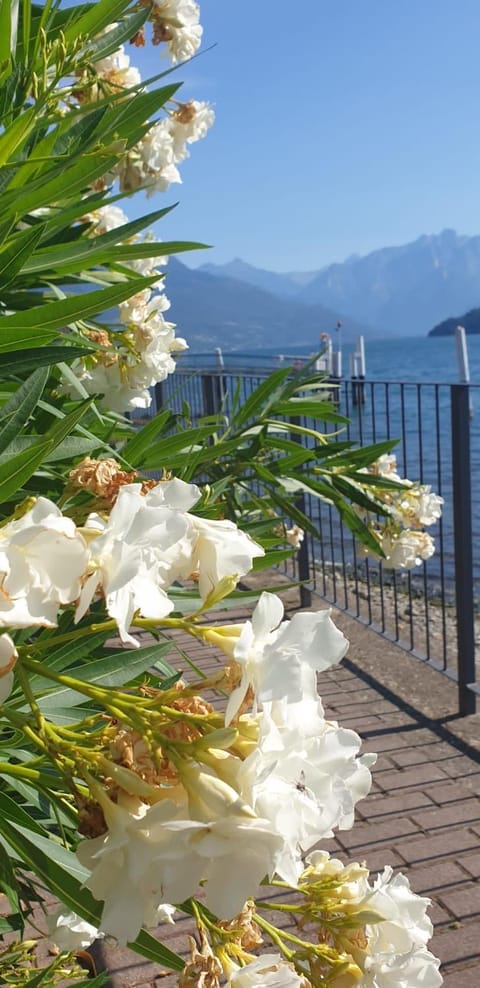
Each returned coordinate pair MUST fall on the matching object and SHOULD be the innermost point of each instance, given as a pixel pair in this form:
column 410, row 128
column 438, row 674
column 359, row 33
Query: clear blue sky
column 342, row 126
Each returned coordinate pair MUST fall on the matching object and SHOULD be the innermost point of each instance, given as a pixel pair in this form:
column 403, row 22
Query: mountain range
column 212, row 310
column 395, row 291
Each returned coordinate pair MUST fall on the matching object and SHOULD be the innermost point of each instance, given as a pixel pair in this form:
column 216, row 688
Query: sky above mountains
column 341, row 128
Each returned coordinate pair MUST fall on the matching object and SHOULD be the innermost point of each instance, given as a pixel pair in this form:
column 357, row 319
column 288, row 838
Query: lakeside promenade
column 422, row 815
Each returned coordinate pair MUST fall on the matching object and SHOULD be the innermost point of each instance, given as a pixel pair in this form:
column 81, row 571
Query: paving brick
column 366, row 835
column 430, row 848
column 471, row 863
column 360, row 724
column 386, row 742
column 448, row 816
column 385, row 805
column 459, row 767
column 420, row 775
column 383, row 763
column 396, row 720
column 457, row 946
column 468, row 977
column 443, row 877
column 439, row 916
column 376, row 859
column 442, row 793
column 409, row 756
column 463, row 903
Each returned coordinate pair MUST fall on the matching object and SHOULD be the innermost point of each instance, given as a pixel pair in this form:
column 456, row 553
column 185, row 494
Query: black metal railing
column 430, row 611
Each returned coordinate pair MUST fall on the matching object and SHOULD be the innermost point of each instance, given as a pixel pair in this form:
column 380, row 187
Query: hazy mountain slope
column 404, row 289
column 470, row 321
column 270, row 281
column 212, row 311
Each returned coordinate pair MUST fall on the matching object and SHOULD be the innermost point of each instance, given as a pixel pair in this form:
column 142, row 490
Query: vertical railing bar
column 333, row 560
column 462, row 517
column 369, row 596
column 303, row 553
column 441, row 554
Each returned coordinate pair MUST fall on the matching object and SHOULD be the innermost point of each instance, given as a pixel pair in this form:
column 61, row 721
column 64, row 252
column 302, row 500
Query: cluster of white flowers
column 258, row 813
column 151, row 540
column 177, row 22
column 115, row 72
column 389, row 949
column 269, row 971
column 138, row 356
column 411, row 507
column 152, row 163
column 133, row 557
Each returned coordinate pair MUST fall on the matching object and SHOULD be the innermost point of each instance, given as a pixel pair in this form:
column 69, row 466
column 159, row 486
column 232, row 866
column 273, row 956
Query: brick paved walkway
column 422, row 815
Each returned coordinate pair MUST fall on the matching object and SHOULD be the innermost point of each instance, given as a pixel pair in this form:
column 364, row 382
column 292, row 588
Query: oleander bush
column 123, row 790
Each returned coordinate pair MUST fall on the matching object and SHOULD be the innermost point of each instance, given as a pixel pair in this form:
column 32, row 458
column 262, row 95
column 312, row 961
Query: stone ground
column 423, row 813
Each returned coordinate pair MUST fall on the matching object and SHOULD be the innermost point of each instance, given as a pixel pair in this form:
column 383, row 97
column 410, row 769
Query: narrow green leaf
column 112, row 671
column 266, row 391
column 320, row 411
column 39, row 324
column 10, row 810
column 122, row 233
column 14, row 136
column 65, row 425
column 142, row 440
column 110, row 42
column 364, row 456
column 20, row 468
column 15, row 254
column 91, row 19
column 8, row 882
column 17, row 361
column 17, row 410
column 87, row 253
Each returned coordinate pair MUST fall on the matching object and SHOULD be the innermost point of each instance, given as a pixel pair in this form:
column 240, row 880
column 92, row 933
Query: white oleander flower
column 152, row 855
column 43, row 558
column 116, row 70
column 107, row 218
column 125, row 374
column 152, row 163
column 353, row 877
column 281, row 659
column 397, row 954
column 135, row 554
column 390, row 948
column 406, row 549
column 176, row 22
column 419, row 967
column 295, row 536
column 417, row 506
column 188, row 124
column 221, row 549
column 8, row 658
column 305, row 776
column 69, row 932
column 385, row 466
column 267, row 971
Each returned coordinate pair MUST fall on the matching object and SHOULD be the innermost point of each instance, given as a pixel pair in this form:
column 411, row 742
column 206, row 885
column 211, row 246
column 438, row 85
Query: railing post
column 462, row 524
column 213, row 393
column 303, row 556
column 159, row 396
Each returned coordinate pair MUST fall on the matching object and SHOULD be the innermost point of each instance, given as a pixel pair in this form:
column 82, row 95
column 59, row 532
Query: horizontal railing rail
column 433, row 611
